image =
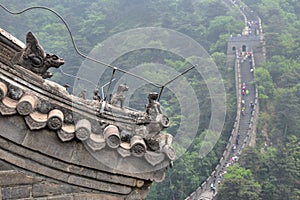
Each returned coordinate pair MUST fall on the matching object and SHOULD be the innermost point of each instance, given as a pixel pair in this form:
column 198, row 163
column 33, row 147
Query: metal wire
column 114, row 68
column 74, row 44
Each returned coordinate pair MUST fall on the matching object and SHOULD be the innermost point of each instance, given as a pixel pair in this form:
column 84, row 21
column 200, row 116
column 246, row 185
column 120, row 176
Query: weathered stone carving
column 153, row 107
column 83, row 129
column 111, row 133
column 138, row 146
column 34, row 58
column 26, row 105
column 55, row 119
column 119, row 97
column 124, row 138
column 131, row 133
column 66, row 133
column 36, row 120
column 154, row 111
column 14, row 92
column 8, row 106
column 96, row 96
column 129, row 140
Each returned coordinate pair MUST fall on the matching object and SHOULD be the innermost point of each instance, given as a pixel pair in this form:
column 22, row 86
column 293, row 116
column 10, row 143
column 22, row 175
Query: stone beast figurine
column 119, row 95
column 34, row 58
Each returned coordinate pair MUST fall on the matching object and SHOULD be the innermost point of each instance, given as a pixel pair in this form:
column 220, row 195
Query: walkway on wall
column 247, row 102
column 243, row 128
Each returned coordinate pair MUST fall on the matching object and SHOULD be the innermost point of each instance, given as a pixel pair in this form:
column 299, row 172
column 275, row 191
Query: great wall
column 243, row 133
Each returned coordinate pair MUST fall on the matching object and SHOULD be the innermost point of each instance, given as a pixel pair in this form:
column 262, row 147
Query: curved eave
column 53, row 140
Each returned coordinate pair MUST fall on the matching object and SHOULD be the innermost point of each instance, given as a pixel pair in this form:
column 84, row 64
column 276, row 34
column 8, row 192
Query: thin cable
column 79, row 78
column 90, row 58
column 74, row 44
column 184, row 72
column 173, row 79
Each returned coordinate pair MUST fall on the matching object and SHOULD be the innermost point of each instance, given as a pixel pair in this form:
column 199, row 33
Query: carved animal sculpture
column 34, row 58
column 119, row 95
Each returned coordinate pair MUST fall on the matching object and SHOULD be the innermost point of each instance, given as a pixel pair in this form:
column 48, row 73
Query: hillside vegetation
column 271, row 170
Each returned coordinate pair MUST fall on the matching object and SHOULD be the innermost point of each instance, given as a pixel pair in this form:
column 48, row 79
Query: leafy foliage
column 275, row 161
column 239, row 183
column 208, row 22
column 274, row 164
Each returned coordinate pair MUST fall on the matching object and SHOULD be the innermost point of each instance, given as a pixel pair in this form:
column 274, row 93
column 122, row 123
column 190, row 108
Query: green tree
column 264, row 83
column 277, row 170
column 239, row 184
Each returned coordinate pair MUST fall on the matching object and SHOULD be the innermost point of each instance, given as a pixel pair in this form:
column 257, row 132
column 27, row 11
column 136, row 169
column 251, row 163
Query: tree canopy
column 269, row 171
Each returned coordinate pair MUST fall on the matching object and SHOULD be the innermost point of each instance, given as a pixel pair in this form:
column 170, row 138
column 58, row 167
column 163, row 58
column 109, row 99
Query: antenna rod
column 93, row 59
column 102, row 88
column 173, row 79
column 74, row 44
column 111, row 80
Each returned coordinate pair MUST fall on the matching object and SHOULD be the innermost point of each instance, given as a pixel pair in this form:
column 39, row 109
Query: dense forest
column 271, row 170
column 268, row 171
